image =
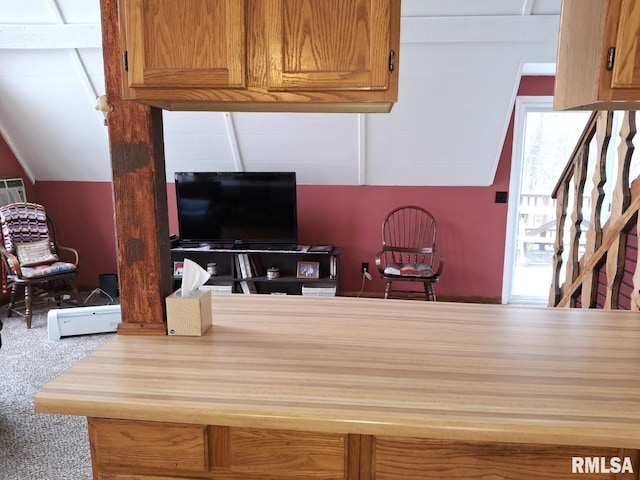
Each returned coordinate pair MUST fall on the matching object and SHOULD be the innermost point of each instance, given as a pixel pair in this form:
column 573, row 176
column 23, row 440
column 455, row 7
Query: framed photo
column 178, row 269
column 308, row 270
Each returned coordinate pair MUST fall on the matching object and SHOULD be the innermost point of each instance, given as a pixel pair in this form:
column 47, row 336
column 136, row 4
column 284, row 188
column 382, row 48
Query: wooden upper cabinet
column 169, row 44
column 262, row 55
column 329, row 44
column 598, row 65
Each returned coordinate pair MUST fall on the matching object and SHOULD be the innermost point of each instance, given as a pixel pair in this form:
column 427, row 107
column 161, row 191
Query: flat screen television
column 244, row 209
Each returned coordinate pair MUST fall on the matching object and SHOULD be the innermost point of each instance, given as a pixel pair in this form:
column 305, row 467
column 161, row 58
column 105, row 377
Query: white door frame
column 523, row 105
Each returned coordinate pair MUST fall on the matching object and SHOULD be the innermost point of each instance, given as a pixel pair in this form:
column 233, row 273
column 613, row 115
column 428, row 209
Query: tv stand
column 260, row 247
column 284, row 247
column 250, row 276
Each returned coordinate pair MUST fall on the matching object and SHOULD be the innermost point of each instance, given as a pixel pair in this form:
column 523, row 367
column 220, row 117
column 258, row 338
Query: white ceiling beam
column 508, row 28
column 50, row 36
column 527, row 7
column 77, row 60
column 232, row 136
column 54, row 6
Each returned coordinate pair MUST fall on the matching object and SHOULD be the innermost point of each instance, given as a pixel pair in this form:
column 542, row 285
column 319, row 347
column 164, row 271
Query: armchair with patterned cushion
column 31, row 257
column 409, row 251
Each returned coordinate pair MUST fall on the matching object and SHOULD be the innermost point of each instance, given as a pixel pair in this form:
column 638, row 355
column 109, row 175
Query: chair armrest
column 73, row 251
column 440, row 263
column 381, row 262
column 12, row 264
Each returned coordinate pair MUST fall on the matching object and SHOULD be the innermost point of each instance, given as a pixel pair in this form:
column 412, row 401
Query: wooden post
column 140, row 194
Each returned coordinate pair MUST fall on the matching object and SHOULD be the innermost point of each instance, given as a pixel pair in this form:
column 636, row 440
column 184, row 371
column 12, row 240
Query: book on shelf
column 256, row 266
column 219, row 287
column 319, row 289
column 236, row 264
column 247, row 265
column 248, row 287
column 242, row 268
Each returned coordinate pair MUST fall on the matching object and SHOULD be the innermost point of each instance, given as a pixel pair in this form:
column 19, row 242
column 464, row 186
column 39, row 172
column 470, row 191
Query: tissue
column 193, row 277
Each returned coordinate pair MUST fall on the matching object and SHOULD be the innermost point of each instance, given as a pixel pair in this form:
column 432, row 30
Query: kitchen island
column 285, row 387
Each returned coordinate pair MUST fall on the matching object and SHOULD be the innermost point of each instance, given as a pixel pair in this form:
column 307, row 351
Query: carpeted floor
column 37, row 446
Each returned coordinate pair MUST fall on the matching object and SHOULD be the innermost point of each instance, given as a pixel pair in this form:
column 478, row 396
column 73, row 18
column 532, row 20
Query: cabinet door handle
column 392, row 61
column 611, row 56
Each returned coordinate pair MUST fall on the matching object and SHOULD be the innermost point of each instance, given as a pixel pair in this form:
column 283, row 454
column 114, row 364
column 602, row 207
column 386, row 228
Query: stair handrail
column 606, row 244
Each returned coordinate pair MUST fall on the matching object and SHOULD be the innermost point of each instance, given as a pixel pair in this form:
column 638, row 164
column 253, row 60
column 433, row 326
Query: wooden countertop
column 382, row 367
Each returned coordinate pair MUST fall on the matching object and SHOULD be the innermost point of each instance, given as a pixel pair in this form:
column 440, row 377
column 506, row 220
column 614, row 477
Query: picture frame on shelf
column 308, row 270
column 178, row 269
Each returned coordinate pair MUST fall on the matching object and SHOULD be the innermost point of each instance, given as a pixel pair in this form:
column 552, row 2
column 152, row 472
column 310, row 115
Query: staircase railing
column 601, row 272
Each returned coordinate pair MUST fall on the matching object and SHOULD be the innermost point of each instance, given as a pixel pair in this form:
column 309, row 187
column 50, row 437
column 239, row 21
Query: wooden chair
column 409, row 251
column 31, row 257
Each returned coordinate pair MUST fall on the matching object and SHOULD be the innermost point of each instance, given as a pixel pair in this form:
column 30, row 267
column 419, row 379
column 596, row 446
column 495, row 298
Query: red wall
column 10, row 167
column 471, row 225
column 83, row 212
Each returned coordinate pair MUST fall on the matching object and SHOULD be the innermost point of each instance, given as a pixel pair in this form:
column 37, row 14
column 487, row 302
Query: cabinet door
column 186, row 43
column 626, row 70
column 129, row 445
column 330, row 44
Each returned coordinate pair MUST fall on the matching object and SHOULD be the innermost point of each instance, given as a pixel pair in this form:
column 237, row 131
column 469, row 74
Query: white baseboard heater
column 66, row 322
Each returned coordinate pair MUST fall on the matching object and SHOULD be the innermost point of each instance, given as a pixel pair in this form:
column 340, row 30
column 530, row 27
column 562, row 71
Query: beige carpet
column 40, row 446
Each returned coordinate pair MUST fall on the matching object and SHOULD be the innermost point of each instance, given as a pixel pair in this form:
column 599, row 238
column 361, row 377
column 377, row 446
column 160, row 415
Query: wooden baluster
column 579, row 180
column 594, row 233
column 620, row 202
column 615, row 270
column 555, row 292
column 635, row 294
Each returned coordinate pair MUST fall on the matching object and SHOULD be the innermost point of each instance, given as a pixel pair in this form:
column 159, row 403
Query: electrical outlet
column 365, row 267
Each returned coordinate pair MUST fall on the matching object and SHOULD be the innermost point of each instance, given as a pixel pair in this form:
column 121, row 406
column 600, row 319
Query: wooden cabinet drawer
column 117, row 476
column 287, row 454
column 119, row 444
column 421, row 459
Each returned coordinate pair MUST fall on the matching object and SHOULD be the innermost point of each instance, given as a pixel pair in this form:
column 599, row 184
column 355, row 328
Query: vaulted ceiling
column 460, row 66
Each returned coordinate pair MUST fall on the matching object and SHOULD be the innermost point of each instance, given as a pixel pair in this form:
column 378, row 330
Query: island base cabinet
column 138, row 450
column 425, row 459
column 257, row 453
column 117, row 476
column 124, row 446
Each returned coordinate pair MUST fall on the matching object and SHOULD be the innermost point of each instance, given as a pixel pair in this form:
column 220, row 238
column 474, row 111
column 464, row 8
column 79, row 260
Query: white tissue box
column 190, row 315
